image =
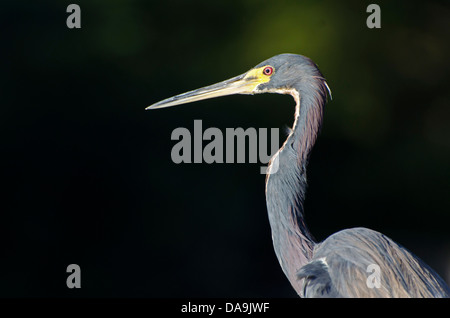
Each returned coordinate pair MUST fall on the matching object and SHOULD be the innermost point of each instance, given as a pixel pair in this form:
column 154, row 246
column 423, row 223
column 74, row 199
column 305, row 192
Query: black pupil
column 268, row 70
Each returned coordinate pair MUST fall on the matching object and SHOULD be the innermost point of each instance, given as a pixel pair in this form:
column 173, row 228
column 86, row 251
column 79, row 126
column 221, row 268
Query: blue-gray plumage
column 338, row 266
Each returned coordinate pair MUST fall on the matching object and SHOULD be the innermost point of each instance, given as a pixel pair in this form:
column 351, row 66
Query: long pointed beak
column 242, row 84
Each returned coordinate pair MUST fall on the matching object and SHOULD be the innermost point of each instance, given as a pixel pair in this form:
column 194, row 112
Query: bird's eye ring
column 268, row 70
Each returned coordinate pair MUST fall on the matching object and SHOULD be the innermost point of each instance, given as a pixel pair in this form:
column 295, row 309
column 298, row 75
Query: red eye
column 268, row 70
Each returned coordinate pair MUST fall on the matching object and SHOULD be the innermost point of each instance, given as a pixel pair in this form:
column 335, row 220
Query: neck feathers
column 309, row 115
column 286, row 184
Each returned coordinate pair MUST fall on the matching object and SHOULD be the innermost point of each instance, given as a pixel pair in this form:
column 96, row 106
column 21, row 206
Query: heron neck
column 286, row 187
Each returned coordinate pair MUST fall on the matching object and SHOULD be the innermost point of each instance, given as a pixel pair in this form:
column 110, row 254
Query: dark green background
column 87, row 175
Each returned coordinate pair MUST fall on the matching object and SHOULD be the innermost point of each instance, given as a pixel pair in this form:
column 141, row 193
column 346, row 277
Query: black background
column 87, row 176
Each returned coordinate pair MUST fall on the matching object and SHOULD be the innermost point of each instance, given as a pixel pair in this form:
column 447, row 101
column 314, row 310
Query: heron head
column 279, row 74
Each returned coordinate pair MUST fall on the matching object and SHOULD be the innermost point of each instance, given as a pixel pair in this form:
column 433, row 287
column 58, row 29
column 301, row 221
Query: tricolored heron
column 338, row 266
